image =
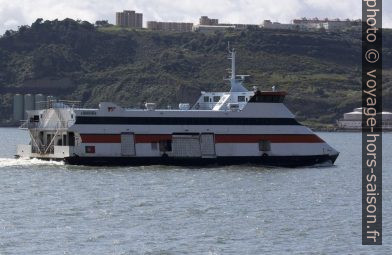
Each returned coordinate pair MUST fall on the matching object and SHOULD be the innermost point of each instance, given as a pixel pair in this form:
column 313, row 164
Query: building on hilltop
column 129, row 19
column 211, row 29
column 339, row 25
column 327, row 24
column 268, row 24
column 315, row 24
column 207, row 25
column 240, row 26
column 205, row 21
column 170, row 26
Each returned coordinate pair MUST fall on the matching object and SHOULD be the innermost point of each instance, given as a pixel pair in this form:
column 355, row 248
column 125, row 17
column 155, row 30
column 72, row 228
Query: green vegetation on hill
column 79, row 61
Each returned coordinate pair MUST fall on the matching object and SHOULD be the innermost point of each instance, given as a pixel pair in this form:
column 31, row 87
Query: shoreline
column 10, row 125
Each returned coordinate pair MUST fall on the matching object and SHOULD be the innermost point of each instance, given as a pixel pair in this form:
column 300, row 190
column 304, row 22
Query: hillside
column 76, row 60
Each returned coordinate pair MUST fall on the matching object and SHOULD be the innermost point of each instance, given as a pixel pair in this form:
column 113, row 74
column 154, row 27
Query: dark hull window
column 65, row 140
column 90, row 149
column 264, row 145
column 71, row 139
column 165, row 145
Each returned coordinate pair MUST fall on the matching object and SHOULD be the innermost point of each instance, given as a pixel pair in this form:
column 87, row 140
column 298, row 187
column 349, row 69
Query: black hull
column 284, row 161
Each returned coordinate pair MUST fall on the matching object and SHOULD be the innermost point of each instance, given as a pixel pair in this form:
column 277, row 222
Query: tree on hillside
column 102, row 23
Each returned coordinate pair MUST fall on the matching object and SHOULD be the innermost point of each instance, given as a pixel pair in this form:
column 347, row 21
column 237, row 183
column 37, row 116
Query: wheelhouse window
column 272, row 99
column 268, row 97
column 241, row 98
column 216, row 99
column 206, row 99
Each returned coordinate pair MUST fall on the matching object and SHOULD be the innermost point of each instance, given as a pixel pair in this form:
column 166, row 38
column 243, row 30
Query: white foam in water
column 7, row 162
column 324, row 164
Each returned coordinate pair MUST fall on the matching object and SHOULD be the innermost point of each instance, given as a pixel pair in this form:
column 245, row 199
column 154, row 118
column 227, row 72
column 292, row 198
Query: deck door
column 186, row 145
column 207, row 144
column 127, row 144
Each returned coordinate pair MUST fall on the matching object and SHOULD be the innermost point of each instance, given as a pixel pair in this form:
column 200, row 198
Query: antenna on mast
column 236, row 84
column 232, row 58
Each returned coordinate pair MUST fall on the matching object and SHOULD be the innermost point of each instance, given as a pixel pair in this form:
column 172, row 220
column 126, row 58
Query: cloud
column 21, row 12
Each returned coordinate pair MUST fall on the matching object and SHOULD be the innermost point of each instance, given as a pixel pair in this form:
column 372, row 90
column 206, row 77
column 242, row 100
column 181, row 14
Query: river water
column 51, row 208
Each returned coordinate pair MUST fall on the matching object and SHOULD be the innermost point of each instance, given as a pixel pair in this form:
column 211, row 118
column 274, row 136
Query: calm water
column 50, row 208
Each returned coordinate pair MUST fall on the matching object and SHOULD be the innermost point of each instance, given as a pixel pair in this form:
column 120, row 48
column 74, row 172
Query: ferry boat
column 235, row 127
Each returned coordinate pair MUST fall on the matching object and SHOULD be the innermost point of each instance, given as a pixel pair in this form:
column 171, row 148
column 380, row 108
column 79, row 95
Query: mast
column 232, row 57
column 236, row 84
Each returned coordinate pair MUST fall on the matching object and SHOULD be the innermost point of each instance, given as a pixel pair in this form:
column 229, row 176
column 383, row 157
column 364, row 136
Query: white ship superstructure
column 234, row 127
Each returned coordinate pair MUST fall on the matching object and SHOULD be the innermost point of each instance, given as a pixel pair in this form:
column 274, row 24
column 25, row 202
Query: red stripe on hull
column 271, row 138
column 151, row 138
column 104, row 138
column 116, row 138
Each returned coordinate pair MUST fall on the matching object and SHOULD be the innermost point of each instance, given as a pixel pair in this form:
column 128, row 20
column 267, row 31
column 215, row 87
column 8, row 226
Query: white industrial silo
column 29, row 104
column 39, row 101
column 18, row 108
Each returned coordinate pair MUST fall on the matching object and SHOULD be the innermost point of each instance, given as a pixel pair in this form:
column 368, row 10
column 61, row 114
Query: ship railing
column 39, row 149
column 24, row 124
column 387, row 124
column 204, row 106
column 58, row 104
column 64, row 124
column 42, row 149
column 29, row 124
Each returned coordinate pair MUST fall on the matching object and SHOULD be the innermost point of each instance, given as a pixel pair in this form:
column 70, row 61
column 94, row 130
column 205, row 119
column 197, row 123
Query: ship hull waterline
column 278, row 161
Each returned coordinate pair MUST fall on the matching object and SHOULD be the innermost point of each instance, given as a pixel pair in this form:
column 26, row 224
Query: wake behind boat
column 234, row 127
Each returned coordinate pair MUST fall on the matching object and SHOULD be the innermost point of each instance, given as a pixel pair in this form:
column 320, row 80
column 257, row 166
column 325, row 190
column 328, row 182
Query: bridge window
column 216, row 99
column 267, row 98
column 206, row 99
column 241, row 98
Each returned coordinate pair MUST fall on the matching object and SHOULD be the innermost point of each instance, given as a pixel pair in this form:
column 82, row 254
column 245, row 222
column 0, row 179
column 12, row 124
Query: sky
column 14, row 13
